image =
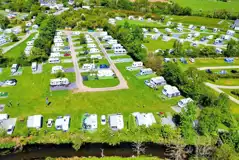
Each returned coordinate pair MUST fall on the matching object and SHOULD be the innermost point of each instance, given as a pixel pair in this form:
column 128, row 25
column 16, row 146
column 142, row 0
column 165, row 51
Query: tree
column 177, row 46
column 225, row 152
column 4, row 22
column 154, row 62
column 232, row 49
column 14, row 38
column 139, row 148
column 82, row 39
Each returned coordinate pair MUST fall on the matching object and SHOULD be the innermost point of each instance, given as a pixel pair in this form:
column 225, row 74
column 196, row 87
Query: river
column 40, row 152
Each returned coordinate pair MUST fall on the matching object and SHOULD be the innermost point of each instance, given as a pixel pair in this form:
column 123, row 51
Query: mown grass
column 153, row 45
column 102, row 83
column 227, row 82
column 140, row 23
column 210, row 5
column 19, row 49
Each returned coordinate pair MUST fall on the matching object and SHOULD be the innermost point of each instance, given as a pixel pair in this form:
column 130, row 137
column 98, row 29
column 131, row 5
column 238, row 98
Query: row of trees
column 18, row 5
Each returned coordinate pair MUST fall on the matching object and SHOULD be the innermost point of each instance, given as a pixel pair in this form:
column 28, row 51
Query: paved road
column 217, row 88
column 219, row 67
column 79, row 80
column 6, row 49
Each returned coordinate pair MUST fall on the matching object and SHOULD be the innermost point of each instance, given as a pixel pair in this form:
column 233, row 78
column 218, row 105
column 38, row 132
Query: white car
column 49, row 123
column 103, row 119
column 10, row 129
column 11, row 82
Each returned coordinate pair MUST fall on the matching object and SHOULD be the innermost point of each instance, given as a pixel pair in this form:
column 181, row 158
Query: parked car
column 103, row 119
column 234, row 71
column 50, row 123
column 67, row 54
column 10, row 82
column 10, row 129
column 209, row 71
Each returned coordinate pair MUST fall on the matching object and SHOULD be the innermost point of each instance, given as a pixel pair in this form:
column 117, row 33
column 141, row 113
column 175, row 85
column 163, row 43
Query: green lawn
column 228, row 91
column 158, row 44
column 210, row 5
column 19, row 49
column 32, row 90
column 228, row 82
column 119, row 57
column 102, row 83
column 140, row 23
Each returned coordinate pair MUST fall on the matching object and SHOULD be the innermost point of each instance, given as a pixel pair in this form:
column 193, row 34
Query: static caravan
column 137, row 64
column 91, row 45
column 94, row 50
column 131, row 18
column 59, row 33
column 96, row 56
column 105, row 73
column 191, row 26
column 226, row 37
column 168, row 30
column 112, row 41
column 30, row 43
column 168, row 23
column 54, row 60
column 218, row 40
column 34, row 66
column 218, row 50
column 116, row 122
column 165, row 38
column 145, row 71
column 60, row 44
column 144, row 30
column 63, row 123
column 35, row 121
column 155, row 30
column 107, row 38
column 55, row 54
column 202, row 28
column 14, row 68
column 58, row 40
column 120, row 51
column 111, row 20
column 215, row 30
column 56, row 49
column 140, row 18
column 117, row 46
column 180, row 29
column 56, row 69
column 90, row 122
column 155, row 36
column 183, row 102
column 144, row 119
column 59, row 81
column 196, row 34
column 230, row 32
column 119, row 18
column 170, row 91
column 88, row 66
column 158, row 81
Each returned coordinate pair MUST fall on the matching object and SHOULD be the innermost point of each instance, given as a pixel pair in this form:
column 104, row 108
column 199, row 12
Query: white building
column 117, row 46
column 183, row 102
column 63, row 123
column 145, row 71
column 215, row 30
column 146, row 119
column 158, row 80
column 56, row 69
column 90, row 122
column 116, row 122
column 168, row 30
column 3, row 116
column 120, row 51
column 35, row 121
column 230, row 32
column 91, row 45
column 55, row 54
column 89, row 66
column 34, row 66
column 155, row 30
column 112, row 41
column 30, row 43
column 54, row 60
column 202, row 28
column 170, row 91
column 105, row 73
column 59, row 81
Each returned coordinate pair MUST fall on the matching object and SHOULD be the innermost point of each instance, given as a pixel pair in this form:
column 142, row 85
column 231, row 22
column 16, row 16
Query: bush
column 60, row 74
column 235, row 92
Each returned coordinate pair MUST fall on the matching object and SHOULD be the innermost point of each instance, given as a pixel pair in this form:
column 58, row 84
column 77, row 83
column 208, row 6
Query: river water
column 40, row 152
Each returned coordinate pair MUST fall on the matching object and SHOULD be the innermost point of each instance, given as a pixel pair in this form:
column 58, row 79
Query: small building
column 202, row 28
column 116, row 122
column 230, row 32
column 137, row 64
column 91, row 45
column 170, row 91
column 90, row 122
column 145, row 71
column 105, row 73
column 117, row 46
column 59, row 82
column 146, row 119
column 215, row 30
column 35, row 121
column 54, row 60
column 63, row 123
column 158, row 81
column 112, row 41
column 144, row 30
column 120, row 51
column 168, row 30
column 235, row 26
column 34, row 66
column 131, row 18
column 55, row 54
column 89, row 66
column 30, row 43
column 191, row 26
column 155, row 30
column 96, row 56
column 180, row 29
column 56, row 69
column 183, row 102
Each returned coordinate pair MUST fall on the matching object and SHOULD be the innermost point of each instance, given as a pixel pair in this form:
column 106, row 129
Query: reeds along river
column 40, row 152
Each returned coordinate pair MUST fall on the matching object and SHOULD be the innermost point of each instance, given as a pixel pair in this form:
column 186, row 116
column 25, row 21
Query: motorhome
column 59, row 82
column 14, row 68
column 54, row 60
column 112, row 41
column 34, row 66
column 120, row 51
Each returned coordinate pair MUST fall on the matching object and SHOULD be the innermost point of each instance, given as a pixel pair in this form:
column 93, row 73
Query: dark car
column 209, row 71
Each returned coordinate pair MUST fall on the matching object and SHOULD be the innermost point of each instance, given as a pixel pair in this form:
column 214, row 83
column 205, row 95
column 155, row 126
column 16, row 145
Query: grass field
column 140, row 23
column 228, row 91
column 19, row 49
column 102, row 83
column 32, row 90
column 228, row 82
column 209, row 5
column 158, row 44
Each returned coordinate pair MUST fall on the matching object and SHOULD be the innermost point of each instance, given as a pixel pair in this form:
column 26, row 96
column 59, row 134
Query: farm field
column 19, row 49
column 209, row 5
column 32, row 90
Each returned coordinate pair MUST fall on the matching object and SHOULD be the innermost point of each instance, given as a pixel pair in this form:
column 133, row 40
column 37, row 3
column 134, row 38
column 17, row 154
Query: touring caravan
column 54, row 60
column 14, row 68
column 34, row 66
column 120, row 51
column 56, row 69
column 59, row 81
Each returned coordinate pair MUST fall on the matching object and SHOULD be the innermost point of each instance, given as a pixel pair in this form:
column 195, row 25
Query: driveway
column 79, row 80
column 219, row 67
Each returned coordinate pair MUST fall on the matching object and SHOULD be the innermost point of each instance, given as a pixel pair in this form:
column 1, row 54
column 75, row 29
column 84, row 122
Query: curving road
column 79, row 80
column 217, row 88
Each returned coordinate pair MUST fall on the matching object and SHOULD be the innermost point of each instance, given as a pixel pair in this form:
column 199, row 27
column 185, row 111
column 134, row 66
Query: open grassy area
column 228, row 91
column 158, row 44
column 19, row 49
column 32, row 90
column 210, row 5
column 102, row 83
column 140, row 23
column 227, row 82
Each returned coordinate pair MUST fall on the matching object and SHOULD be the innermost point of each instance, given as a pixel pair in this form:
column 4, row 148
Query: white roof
column 116, row 121
column 145, row 69
column 34, row 121
column 3, row 116
column 184, row 102
column 105, row 72
column 91, row 121
column 146, row 119
column 158, row 79
column 170, row 89
column 63, row 123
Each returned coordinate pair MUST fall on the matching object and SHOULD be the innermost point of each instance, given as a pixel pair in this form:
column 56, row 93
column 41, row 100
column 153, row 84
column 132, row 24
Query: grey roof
column 236, row 23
